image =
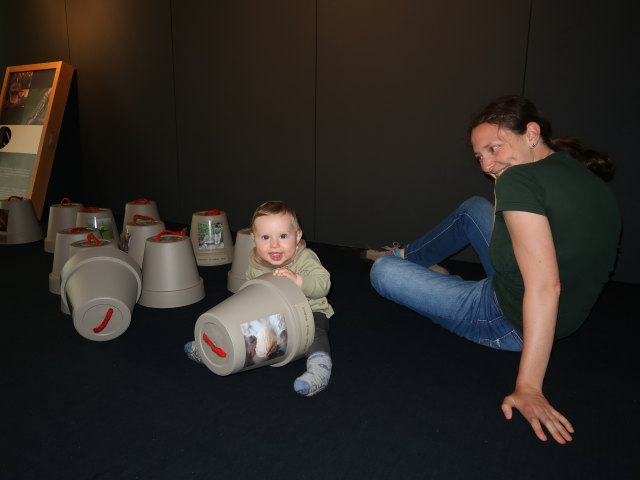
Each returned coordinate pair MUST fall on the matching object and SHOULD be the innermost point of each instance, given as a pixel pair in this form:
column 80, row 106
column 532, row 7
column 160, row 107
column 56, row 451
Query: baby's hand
column 285, row 272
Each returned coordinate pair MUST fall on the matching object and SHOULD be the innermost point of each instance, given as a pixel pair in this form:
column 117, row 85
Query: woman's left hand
column 538, row 411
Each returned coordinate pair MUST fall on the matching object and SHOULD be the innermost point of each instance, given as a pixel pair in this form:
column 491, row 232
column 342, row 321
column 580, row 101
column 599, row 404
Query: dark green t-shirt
column 585, row 224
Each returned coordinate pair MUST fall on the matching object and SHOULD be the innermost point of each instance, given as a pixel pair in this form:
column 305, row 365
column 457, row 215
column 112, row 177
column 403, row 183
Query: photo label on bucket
column 210, row 236
column 264, row 339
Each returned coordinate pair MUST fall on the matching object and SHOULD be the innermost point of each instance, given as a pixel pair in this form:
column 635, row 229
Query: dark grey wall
column 582, row 67
column 397, row 83
column 123, row 55
column 353, row 111
column 245, row 91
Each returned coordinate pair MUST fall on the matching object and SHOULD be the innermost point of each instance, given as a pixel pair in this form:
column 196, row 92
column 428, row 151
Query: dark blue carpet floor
column 407, row 400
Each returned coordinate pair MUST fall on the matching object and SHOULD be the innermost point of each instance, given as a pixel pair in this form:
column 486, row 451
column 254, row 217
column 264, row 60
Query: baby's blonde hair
column 276, row 207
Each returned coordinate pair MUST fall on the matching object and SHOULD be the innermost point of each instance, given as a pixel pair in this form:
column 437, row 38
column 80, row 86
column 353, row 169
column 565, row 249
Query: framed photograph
column 33, row 100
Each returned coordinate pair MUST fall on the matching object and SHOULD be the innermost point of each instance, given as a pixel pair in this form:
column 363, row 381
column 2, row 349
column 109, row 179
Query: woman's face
column 497, row 149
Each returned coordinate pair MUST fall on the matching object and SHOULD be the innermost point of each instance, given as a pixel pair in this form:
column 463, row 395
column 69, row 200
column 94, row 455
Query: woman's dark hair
column 514, row 112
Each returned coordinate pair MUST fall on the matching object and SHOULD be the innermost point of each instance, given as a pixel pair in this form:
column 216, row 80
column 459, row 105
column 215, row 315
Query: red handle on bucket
column 141, row 217
column 91, row 238
column 141, row 201
column 107, row 317
column 12, row 197
column 217, row 350
column 90, row 209
column 212, row 212
column 79, row 230
column 66, row 202
column 181, row 234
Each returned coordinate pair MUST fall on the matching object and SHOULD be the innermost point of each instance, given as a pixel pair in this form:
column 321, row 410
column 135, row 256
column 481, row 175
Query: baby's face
column 276, row 238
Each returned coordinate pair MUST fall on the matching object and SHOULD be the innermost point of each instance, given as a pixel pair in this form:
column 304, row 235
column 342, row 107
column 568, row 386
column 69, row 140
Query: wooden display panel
column 33, row 102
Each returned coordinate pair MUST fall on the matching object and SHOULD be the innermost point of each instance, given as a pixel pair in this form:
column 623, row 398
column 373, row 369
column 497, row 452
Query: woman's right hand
column 534, row 250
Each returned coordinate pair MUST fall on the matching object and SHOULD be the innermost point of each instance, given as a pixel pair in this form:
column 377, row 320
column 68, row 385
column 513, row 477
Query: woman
column 547, row 247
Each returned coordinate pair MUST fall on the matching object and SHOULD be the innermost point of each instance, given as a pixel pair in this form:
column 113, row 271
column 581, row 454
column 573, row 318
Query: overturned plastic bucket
column 18, row 221
column 100, row 287
column 211, row 238
column 170, row 274
column 99, row 218
column 237, row 275
column 135, row 234
column 140, row 206
column 268, row 322
column 62, row 216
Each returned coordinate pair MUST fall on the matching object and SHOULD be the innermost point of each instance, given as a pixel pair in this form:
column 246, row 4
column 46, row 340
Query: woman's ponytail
column 599, row 163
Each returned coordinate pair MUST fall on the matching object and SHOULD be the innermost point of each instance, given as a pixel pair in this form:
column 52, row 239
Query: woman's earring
column 533, row 145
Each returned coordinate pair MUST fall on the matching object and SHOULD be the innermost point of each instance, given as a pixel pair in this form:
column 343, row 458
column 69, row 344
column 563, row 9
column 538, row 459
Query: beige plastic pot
column 18, row 221
column 170, row 274
column 101, row 286
column 268, row 322
column 136, row 233
column 99, row 218
column 211, row 238
column 62, row 216
column 237, row 275
column 140, row 206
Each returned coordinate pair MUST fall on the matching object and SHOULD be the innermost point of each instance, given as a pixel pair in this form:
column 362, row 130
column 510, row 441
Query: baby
column 280, row 250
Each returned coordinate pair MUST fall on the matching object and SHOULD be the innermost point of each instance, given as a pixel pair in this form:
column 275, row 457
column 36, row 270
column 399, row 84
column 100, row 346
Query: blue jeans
column 467, row 308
